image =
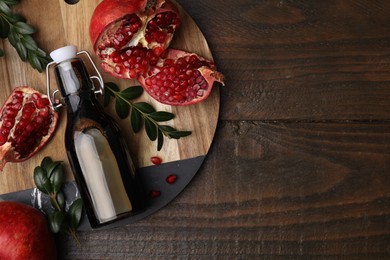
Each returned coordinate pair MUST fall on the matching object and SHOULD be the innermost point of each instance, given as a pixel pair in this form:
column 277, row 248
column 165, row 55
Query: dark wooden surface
column 299, row 167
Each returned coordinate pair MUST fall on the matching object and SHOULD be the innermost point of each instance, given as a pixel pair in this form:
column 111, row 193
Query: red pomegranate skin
column 24, row 233
column 109, row 11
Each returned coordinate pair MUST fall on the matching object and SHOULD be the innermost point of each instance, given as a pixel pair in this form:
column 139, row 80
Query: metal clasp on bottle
column 53, row 101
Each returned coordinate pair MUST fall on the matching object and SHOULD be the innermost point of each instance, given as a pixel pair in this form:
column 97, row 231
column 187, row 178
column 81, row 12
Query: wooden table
column 300, row 163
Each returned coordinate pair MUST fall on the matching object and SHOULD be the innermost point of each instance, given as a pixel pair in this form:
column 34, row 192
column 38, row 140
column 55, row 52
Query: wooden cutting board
column 59, row 24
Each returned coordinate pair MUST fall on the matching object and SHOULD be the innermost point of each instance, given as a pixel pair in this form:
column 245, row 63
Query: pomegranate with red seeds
column 131, row 37
column 27, row 122
column 180, row 78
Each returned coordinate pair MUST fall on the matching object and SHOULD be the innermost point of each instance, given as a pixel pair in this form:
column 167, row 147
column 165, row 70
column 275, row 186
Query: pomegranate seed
column 30, row 127
column 134, row 27
column 171, row 178
column 158, row 51
column 155, row 193
column 178, row 97
column 3, row 139
column 42, row 103
column 156, row 160
column 148, row 81
column 38, row 119
column 18, row 93
column 4, row 131
column 9, row 123
column 199, row 79
column 200, row 93
column 172, row 70
column 132, row 73
column 118, row 69
column 44, row 112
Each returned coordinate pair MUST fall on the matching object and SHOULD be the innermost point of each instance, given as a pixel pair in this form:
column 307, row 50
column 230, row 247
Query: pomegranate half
column 27, row 122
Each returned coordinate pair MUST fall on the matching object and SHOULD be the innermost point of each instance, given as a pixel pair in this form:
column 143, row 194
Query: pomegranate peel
column 27, row 122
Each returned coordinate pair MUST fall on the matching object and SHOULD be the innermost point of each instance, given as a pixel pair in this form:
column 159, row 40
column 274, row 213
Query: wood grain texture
column 71, row 27
column 294, row 60
column 271, row 190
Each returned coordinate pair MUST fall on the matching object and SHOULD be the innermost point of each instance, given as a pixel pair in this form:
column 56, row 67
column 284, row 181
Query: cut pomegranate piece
column 180, row 78
column 131, row 38
column 27, row 122
column 129, row 35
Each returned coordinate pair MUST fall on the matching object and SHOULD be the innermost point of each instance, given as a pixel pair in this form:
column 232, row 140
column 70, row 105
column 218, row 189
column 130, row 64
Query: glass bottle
column 96, row 150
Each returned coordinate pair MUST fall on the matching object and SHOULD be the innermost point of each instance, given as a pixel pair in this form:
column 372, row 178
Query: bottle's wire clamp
column 53, row 101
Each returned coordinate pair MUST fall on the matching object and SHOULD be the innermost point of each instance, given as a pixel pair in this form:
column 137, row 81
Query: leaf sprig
column 49, row 178
column 142, row 113
column 15, row 27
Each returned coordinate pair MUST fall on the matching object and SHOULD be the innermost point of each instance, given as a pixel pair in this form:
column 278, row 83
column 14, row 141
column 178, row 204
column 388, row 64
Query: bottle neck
column 74, row 84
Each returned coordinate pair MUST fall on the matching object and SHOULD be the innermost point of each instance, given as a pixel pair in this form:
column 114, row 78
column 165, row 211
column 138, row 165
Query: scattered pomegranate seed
column 171, row 178
column 155, row 193
column 156, row 160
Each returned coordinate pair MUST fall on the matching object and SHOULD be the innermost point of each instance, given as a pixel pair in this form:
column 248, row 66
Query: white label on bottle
column 102, row 175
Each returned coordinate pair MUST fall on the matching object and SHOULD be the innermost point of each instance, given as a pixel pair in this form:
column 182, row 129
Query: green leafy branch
column 142, row 113
column 14, row 27
column 49, row 178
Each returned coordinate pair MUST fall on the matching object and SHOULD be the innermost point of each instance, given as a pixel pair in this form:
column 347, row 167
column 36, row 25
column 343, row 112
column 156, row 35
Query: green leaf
column 4, row 28
column 13, row 37
column 167, row 128
column 51, row 167
column 110, row 88
column 40, row 53
column 22, row 51
column 24, row 28
column 41, row 180
column 106, row 97
column 109, row 91
column 4, row 8
column 135, row 120
column 121, row 108
column 160, row 140
column 11, row 2
column 29, row 43
column 132, row 92
column 144, row 107
column 161, row 116
column 75, row 213
column 46, row 162
column 55, row 220
column 61, row 200
column 56, row 176
column 151, row 130
column 178, row 134
column 13, row 18
column 34, row 61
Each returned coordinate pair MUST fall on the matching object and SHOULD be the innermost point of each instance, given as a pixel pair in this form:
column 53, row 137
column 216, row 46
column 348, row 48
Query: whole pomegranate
column 131, row 37
column 27, row 122
column 24, row 233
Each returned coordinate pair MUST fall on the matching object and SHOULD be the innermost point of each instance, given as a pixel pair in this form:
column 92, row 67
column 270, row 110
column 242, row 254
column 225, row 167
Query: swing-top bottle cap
column 64, row 53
